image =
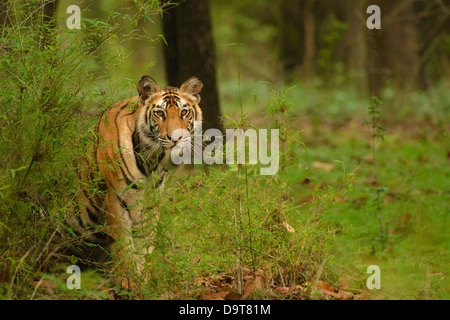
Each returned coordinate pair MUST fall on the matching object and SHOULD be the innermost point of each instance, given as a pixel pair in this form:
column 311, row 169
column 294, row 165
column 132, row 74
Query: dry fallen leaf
column 343, row 285
column 330, row 293
column 249, row 287
column 324, row 166
column 341, row 295
column 307, row 180
column 288, row 227
column 345, row 295
column 282, row 290
column 322, row 285
column 360, row 296
column 48, row 285
column 215, row 295
column 389, row 247
column 368, row 158
column 232, row 296
column 258, row 282
column 404, row 219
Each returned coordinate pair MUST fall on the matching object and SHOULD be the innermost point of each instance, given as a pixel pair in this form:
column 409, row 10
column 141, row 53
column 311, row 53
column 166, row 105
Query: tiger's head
column 168, row 115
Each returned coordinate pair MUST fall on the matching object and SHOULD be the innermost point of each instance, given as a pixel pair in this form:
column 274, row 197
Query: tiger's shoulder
column 114, row 132
column 119, row 112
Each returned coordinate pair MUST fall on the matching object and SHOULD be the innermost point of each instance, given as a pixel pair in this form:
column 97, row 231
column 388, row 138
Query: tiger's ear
column 146, row 87
column 192, row 86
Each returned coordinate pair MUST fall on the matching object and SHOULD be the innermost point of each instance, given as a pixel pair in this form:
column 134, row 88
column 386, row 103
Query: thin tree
column 190, row 52
column 49, row 9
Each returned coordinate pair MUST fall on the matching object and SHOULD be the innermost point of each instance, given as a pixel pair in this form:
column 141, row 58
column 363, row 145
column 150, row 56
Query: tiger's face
column 169, row 114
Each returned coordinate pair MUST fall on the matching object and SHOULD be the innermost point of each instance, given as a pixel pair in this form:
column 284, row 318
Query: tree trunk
column 297, row 38
column 292, row 49
column 5, row 16
column 49, row 9
column 49, row 22
column 190, row 52
column 393, row 50
column 354, row 50
column 310, row 44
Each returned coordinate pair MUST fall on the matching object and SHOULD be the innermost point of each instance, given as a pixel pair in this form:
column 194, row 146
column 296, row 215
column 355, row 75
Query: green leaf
column 128, row 187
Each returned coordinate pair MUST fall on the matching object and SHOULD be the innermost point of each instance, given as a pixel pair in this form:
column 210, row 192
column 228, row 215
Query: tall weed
column 47, row 91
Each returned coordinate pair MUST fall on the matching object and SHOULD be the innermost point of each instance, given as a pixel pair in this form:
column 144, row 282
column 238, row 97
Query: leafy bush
column 48, row 97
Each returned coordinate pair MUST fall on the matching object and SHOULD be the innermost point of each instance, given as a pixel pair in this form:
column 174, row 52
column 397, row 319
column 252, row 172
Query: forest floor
column 394, row 215
column 396, row 220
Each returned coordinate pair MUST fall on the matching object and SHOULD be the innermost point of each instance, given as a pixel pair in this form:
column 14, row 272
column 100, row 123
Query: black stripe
column 148, row 119
column 97, row 168
column 124, row 106
column 161, row 156
column 103, row 237
column 149, row 110
column 132, row 110
column 158, row 182
column 97, row 139
column 93, row 216
column 89, row 199
column 123, row 204
column 137, row 149
column 98, row 123
column 127, row 179
column 80, row 223
column 171, row 99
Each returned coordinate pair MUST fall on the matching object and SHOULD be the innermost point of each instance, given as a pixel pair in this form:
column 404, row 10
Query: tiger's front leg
column 127, row 224
column 144, row 218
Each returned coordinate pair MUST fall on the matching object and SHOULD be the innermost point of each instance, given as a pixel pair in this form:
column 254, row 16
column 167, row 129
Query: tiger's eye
column 184, row 112
column 159, row 113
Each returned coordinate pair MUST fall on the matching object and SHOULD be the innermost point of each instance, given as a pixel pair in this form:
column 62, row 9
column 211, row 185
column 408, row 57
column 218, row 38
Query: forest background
column 363, row 116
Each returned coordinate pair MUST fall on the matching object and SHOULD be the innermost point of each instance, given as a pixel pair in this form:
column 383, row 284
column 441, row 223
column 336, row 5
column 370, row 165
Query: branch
column 434, row 32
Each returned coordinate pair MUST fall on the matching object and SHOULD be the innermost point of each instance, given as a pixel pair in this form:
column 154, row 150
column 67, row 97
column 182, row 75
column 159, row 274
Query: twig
column 18, row 267
column 199, row 206
column 36, row 287
column 320, row 270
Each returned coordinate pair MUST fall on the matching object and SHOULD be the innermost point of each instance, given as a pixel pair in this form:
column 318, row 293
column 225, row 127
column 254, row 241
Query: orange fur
column 133, row 143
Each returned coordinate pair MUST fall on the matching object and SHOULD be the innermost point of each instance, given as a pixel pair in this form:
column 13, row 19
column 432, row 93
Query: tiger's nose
column 175, row 138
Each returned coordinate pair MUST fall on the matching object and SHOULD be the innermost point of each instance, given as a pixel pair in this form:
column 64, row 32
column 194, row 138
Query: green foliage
column 331, row 36
column 409, row 204
column 46, row 104
column 233, row 219
column 377, row 193
column 375, row 115
column 367, row 205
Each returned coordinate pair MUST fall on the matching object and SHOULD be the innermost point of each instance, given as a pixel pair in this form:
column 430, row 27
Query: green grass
column 420, row 251
column 412, row 246
column 344, row 219
column 334, row 208
column 399, row 220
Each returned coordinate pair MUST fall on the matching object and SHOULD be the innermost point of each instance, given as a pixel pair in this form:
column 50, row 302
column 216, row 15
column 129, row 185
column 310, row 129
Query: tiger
column 131, row 155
